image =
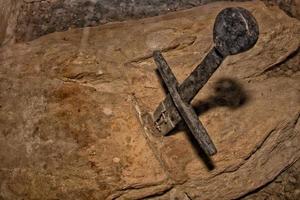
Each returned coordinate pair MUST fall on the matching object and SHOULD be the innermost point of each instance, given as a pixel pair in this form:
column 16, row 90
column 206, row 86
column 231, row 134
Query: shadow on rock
column 227, row 93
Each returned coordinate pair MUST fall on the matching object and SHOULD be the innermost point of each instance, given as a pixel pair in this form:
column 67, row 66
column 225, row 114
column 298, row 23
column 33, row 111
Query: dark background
column 40, row 17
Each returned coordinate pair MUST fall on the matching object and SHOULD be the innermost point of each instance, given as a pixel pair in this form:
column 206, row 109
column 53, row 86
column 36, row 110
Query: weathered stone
column 36, row 18
column 8, row 19
column 291, row 7
column 285, row 186
column 72, row 103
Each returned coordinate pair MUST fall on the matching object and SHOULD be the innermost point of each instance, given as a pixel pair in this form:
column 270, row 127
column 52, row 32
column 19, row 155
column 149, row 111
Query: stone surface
column 285, row 186
column 291, row 7
column 73, row 111
column 8, row 15
column 40, row 17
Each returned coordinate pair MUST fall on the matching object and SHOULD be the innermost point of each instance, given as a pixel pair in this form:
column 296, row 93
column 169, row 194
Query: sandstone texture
column 75, row 111
column 8, row 19
column 285, row 186
column 291, row 7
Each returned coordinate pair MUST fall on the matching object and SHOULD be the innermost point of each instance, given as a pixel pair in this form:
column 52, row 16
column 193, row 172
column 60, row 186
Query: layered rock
column 74, row 111
column 9, row 10
column 36, row 18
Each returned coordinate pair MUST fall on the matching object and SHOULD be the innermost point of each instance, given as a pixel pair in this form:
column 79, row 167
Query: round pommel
column 235, row 31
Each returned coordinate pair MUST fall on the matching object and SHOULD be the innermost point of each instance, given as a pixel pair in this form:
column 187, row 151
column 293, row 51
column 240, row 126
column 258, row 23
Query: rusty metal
column 235, row 31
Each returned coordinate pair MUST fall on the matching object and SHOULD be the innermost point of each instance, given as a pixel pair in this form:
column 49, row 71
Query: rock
column 285, row 186
column 291, row 7
column 31, row 19
column 8, row 15
column 68, row 132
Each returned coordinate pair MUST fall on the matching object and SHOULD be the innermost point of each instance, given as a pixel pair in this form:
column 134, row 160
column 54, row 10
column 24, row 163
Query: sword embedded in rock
column 186, row 111
column 166, row 116
column 235, row 31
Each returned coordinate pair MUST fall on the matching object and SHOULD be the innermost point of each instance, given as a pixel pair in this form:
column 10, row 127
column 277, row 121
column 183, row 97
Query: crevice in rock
column 150, row 55
column 290, row 125
column 84, row 75
column 255, row 193
column 144, row 118
column 154, row 191
column 282, row 60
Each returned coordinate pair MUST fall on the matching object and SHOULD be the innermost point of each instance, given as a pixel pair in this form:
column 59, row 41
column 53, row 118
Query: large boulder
column 74, row 111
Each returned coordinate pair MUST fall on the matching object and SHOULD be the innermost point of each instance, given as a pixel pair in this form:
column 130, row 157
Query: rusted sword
column 235, row 31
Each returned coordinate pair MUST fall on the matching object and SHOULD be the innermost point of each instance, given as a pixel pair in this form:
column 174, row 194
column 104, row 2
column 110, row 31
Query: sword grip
column 200, row 75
